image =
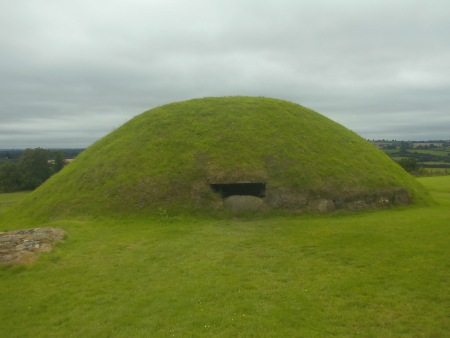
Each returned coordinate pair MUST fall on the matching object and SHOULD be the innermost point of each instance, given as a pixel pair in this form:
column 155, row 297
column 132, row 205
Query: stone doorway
column 240, row 189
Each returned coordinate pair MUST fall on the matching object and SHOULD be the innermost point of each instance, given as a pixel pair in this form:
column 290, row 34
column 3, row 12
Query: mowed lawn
column 370, row 274
column 7, row 200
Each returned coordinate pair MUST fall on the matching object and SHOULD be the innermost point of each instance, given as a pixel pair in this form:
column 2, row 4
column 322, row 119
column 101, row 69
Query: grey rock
column 22, row 246
column 322, row 205
column 242, row 203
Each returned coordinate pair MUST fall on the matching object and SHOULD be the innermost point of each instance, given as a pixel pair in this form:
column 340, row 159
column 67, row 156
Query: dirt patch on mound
column 23, row 246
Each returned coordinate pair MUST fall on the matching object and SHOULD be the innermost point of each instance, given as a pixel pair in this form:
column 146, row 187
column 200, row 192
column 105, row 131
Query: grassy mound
column 165, row 159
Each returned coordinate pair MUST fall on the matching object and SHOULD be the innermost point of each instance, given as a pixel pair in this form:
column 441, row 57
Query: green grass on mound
column 371, row 274
column 165, row 158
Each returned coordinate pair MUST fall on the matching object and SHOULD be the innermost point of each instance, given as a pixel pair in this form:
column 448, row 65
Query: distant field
column 434, row 158
column 368, row 274
column 436, row 171
column 437, row 152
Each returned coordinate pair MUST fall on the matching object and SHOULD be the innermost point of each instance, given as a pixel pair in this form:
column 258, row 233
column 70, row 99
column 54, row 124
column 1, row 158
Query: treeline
column 426, row 157
column 394, row 144
column 7, row 155
column 32, row 168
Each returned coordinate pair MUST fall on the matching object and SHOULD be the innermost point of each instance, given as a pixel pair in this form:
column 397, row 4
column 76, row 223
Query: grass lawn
column 9, row 199
column 369, row 274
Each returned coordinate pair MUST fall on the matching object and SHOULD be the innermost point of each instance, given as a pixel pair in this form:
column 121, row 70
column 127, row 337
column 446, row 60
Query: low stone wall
column 290, row 200
column 23, row 246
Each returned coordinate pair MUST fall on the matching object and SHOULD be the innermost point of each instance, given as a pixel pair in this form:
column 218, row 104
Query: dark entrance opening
column 230, row 189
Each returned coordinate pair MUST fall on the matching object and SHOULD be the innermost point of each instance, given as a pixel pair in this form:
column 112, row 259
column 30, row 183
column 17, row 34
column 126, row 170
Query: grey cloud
column 106, row 61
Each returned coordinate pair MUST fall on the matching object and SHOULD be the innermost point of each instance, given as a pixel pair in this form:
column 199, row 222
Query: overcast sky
column 72, row 71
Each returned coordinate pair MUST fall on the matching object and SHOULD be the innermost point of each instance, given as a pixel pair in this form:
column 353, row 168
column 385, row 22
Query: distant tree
column 9, row 177
column 404, row 146
column 34, row 168
column 409, row 164
column 58, row 162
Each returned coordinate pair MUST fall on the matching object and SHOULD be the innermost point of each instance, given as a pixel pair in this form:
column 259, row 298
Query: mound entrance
column 241, row 189
column 238, row 197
